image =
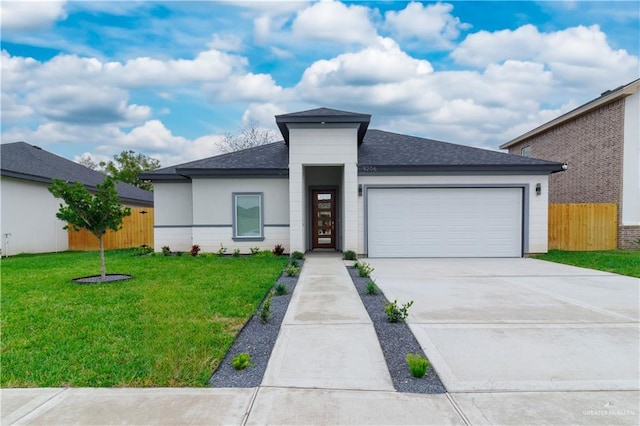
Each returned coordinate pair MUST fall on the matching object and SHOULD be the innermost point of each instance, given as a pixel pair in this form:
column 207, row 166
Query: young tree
column 95, row 213
column 250, row 136
column 128, row 165
column 88, row 162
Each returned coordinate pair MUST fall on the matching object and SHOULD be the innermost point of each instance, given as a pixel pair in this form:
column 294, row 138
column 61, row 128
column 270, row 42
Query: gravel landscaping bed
column 258, row 340
column 396, row 340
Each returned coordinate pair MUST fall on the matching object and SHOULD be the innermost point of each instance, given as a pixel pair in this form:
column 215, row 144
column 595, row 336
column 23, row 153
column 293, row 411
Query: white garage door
column 444, row 222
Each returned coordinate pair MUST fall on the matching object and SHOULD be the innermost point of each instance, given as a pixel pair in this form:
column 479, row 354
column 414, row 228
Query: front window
column 247, row 211
column 525, row 151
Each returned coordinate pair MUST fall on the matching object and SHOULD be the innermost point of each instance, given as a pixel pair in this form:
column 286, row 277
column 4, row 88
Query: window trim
column 234, row 213
column 525, row 151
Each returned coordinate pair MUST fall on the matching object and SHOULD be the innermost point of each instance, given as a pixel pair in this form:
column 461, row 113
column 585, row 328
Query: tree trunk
column 103, row 272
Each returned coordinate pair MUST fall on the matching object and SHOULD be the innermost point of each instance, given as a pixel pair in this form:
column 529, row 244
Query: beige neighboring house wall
column 29, row 215
column 600, row 142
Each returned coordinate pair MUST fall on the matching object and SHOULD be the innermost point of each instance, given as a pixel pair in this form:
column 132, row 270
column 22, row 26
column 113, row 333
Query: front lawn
column 622, row 262
column 168, row 326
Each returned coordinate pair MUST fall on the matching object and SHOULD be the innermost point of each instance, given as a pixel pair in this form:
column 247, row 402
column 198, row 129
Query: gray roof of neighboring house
column 605, row 98
column 21, row 160
column 385, row 151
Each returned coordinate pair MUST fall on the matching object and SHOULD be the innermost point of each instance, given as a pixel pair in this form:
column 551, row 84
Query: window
column 247, row 216
column 525, row 151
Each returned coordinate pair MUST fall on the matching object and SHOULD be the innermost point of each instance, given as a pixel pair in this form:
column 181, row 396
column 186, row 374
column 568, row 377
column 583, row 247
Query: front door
column 324, row 218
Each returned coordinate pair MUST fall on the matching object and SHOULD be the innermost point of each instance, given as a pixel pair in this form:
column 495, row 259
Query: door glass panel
column 324, row 205
column 324, row 196
column 324, row 214
column 324, row 240
column 324, row 231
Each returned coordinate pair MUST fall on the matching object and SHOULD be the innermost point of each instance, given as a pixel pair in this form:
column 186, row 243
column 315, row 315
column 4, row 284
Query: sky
column 169, row 79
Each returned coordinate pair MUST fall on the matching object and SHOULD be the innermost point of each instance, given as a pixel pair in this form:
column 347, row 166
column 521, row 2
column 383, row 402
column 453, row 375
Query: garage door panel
column 444, row 222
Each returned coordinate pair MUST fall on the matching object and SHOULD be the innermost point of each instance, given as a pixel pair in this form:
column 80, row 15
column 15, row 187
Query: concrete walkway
column 326, row 368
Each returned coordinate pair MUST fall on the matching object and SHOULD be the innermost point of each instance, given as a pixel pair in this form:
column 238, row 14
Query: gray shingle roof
column 23, row 161
column 385, row 150
column 323, row 115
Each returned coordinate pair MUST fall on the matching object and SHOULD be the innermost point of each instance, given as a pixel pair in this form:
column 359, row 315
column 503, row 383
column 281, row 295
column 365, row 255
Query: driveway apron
column 327, row 339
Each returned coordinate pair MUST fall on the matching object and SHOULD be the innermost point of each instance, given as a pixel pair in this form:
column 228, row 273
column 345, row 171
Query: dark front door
column 324, row 218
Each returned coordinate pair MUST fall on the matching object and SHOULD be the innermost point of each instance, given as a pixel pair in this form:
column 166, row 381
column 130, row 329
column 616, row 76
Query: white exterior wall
column 631, row 162
column 213, row 212
column 330, row 144
column 538, row 204
column 173, row 215
column 29, row 215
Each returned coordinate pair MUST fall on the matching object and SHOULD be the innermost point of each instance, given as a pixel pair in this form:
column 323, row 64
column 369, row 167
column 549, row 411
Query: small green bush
column 236, row 252
column 349, row 255
column 372, row 288
column 281, row 289
column 297, row 255
column 143, row 250
column 166, row 250
column 364, row 269
column 222, row 250
column 294, row 262
column 195, row 249
column 241, row 361
column 255, row 250
column 418, row 366
column 265, row 311
column 397, row 313
column 291, row 270
column 278, row 250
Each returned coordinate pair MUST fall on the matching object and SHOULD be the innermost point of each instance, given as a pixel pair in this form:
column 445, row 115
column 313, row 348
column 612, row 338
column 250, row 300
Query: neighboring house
column 28, row 208
column 600, row 142
column 333, row 184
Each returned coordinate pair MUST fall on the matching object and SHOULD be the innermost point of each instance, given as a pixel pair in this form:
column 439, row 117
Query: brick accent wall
column 592, row 145
column 628, row 237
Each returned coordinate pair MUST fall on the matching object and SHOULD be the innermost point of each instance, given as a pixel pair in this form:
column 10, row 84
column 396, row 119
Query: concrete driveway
column 504, row 325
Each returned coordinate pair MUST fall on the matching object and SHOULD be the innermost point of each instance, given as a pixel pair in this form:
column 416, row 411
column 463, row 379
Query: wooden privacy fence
column 583, row 227
column 137, row 230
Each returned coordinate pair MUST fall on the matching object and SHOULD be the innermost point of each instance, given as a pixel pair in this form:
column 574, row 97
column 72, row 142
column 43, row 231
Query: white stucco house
column 28, row 208
column 332, row 183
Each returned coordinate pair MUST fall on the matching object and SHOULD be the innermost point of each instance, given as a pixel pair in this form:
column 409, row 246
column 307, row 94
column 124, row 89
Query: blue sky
column 168, row 79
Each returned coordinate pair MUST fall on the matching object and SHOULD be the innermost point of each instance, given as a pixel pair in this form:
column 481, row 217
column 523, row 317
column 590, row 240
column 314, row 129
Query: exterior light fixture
column 360, row 190
column 538, row 189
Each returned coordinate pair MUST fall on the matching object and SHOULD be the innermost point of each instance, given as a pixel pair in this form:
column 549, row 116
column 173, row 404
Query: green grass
column 168, row 326
column 622, row 262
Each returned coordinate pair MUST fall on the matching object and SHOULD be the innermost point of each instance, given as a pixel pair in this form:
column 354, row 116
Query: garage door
column 444, row 222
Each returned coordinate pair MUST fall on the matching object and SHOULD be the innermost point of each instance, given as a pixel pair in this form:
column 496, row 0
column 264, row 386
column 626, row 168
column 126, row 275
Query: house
column 29, row 222
column 600, row 142
column 332, row 183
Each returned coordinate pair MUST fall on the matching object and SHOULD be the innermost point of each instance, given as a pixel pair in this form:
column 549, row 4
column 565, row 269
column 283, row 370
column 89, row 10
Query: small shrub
column 372, row 288
column 278, row 250
column 294, row 262
column 364, row 269
column 236, row 252
column 291, row 270
column 143, row 250
column 349, row 255
column 241, row 361
column 255, row 250
column 281, row 289
column 418, row 366
column 265, row 311
column 166, row 250
column 396, row 313
column 297, row 255
column 222, row 250
column 179, row 253
column 195, row 249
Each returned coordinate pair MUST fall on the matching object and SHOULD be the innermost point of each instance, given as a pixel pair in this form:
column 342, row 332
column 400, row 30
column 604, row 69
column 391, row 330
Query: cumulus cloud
column 263, row 114
column 334, row 21
column 29, row 15
column 433, row 24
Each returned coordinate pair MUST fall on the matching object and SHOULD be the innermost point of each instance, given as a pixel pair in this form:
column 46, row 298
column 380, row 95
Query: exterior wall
column 173, row 215
column 321, row 145
column 629, row 229
column 536, row 239
column 213, row 212
column 29, row 215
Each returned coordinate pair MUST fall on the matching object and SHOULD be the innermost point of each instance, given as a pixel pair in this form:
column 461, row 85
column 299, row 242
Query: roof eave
column 625, row 91
column 362, row 120
column 236, row 172
column 462, row 169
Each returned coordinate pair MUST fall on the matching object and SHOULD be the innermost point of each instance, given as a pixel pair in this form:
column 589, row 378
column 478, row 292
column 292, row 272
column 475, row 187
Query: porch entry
column 323, row 218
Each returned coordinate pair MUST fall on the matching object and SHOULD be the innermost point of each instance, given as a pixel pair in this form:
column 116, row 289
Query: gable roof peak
column 323, row 115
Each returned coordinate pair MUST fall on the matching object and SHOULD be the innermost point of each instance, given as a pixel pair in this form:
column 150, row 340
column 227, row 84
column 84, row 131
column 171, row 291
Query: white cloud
column 29, row 15
column 330, row 20
column 433, row 24
column 264, row 115
column 247, row 87
column 225, row 42
column 13, row 109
